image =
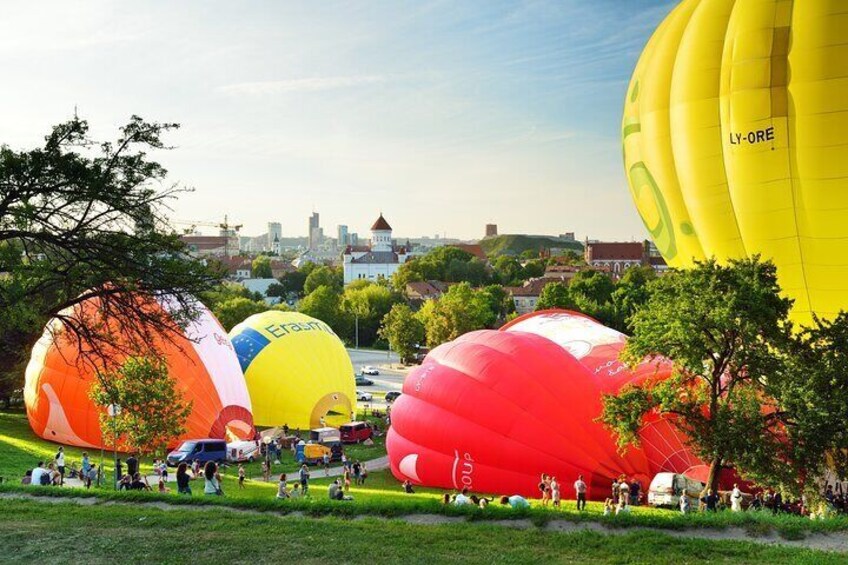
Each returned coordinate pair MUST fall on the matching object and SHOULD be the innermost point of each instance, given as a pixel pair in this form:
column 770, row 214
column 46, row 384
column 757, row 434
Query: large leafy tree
column 725, row 329
column 261, row 267
column 460, row 310
column 152, row 412
column 403, row 331
column 555, row 295
column 325, row 304
column 323, row 276
column 367, row 303
column 83, row 219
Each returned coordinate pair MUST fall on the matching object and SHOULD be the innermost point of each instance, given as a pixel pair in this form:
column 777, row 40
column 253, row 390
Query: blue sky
column 444, row 115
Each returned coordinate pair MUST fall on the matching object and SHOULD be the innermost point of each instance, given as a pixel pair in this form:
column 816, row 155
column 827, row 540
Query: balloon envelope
column 493, row 410
column 297, row 370
column 201, row 361
column 735, row 136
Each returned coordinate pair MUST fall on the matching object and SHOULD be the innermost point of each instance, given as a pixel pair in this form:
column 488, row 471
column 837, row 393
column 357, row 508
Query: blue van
column 201, row 449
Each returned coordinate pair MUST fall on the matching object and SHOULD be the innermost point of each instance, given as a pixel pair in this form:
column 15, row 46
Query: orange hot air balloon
column 201, row 361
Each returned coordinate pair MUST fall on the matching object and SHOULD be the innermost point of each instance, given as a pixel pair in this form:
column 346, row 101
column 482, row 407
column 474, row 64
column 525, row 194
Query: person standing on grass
column 60, row 465
column 710, row 501
column 623, row 491
column 363, row 474
column 684, row 503
column 326, row 464
column 346, row 479
column 119, row 469
column 635, row 489
column 212, row 484
column 777, row 503
column 555, row 494
column 580, row 488
column 357, row 469
column 736, row 499
column 266, row 471
column 86, row 465
column 615, row 490
column 241, row 476
column 183, row 478
column 91, row 475
column 132, row 465
column 304, row 479
column 545, row 489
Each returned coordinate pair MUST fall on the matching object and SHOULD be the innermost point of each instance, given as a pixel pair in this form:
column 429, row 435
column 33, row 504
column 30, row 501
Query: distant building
column 567, row 236
column 342, row 236
column 526, row 296
column 315, row 233
column 420, row 291
column 473, row 248
column 379, row 260
column 491, row 230
column 275, row 232
column 619, row 256
column 207, row 245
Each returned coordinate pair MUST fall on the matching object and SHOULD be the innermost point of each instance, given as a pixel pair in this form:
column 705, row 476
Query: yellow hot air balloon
column 296, row 368
column 735, row 136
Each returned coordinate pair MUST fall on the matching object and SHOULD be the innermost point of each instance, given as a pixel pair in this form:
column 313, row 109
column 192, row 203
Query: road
column 389, row 379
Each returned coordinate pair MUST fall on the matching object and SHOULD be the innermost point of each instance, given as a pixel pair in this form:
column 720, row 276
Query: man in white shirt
column 60, row 465
column 37, row 473
column 580, row 488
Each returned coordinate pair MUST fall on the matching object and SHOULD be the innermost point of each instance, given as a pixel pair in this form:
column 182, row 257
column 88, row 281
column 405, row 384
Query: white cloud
column 301, row 84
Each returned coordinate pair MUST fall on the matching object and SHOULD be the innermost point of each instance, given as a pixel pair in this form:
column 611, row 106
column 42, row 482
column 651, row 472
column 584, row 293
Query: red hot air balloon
column 201, row 361
column 493, row 410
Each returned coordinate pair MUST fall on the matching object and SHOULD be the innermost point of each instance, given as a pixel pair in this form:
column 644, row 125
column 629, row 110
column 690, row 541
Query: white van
column 666, row 488
column 241, row 451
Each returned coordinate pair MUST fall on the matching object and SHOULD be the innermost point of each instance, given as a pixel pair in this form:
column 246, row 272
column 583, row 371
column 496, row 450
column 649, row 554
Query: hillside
column 514, row 244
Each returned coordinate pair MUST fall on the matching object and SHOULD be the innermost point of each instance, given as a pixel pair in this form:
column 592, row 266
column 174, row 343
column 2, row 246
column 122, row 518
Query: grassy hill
column 514, row 244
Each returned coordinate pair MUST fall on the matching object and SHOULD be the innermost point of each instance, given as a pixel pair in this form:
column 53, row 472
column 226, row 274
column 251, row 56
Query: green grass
column 381, row 496
column 63, row 533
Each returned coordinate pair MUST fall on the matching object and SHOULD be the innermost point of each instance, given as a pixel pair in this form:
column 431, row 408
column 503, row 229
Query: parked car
column 364, row 396
column 392, row 396
column 201, row 449
column 241, row 451
column 368, row 370
column 666, row 488
column 355, row 432
column 362, row 381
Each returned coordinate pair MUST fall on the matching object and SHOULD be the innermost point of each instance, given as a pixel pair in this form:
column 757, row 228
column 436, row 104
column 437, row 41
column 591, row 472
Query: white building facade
column 380, row 260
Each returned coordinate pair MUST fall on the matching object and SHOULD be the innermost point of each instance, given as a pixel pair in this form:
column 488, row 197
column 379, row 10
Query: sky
column 442, row 115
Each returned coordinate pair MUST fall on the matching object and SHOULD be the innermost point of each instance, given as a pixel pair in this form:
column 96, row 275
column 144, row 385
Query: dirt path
column 836, row 542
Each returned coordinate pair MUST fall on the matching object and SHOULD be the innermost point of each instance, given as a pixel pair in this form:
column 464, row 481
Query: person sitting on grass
column 623, row 507
column 163, row 489
column 39, row 475
column 446, row 499
column 282, row 487
column 462, row 498
column 515, row 501
column 295, row 491
column 125, row 482
column 608, row 507
column 183, row 478
column 407, row 487
column 212, row 486
column 335, row 492
column 27, row 480
column 139, row 482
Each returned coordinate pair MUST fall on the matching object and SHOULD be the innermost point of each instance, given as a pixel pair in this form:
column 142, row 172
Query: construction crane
column 227, row 229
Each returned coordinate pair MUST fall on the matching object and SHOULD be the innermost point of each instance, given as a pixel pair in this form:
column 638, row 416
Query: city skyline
column 445, row 117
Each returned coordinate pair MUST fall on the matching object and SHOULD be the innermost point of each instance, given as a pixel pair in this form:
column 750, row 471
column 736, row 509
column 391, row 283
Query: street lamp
column 113, row 410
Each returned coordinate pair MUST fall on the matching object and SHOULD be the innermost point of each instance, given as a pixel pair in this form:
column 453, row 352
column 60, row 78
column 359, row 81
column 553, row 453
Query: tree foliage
column 460, row 310
column 152, row 412
column 368, row 302
column 261, row 267
column 323, row 276
column 82, row 219
column 555, row 295
column 725, row 329
column 403, row 331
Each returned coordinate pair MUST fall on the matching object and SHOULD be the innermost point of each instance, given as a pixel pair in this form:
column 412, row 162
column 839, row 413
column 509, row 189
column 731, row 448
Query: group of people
column 466, row 498
column 53, row 472
column 625, row 493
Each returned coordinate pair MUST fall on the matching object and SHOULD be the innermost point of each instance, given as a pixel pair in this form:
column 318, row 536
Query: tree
column 555, row 295
column 234, row 311
column 592, row 288
column 631, row 291
column 261, row 267
column 403, row 331
column 725, row 330
column 458, row 311
column 498, row 301
column 294, row 281
column 534, row 268
column 369, row 303
column 152, row 412
column 324, row 303
column 80, row 220
column 323, row 276
column 508, row 270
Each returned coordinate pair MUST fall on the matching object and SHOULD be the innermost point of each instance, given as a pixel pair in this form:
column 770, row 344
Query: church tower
column 381, row 235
